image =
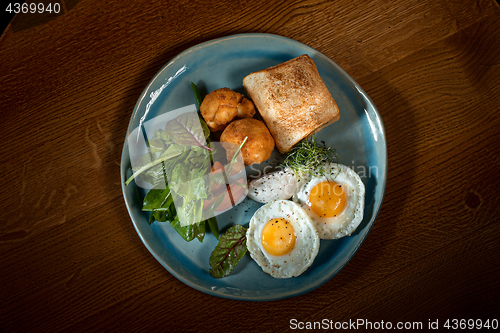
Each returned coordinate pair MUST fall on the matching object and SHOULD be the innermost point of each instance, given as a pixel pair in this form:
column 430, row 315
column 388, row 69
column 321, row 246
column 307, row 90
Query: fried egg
column 282, row 239
column 334, row 200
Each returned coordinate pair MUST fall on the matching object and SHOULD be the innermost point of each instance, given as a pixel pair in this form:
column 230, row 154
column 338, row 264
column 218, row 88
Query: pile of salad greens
column 177, row 165
column 178, row 153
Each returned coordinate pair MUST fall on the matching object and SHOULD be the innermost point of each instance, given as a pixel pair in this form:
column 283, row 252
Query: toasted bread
column 292, row 99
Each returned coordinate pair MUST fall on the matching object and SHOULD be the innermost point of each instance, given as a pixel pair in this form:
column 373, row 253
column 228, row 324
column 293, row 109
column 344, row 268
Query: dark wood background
column 70, row 258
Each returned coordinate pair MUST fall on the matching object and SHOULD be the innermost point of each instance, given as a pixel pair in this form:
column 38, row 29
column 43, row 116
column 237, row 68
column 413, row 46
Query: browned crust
column 259, row 144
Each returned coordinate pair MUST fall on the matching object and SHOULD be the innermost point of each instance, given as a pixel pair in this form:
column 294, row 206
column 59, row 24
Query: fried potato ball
column 258, row 146
column 246, row 109
column 223, row 105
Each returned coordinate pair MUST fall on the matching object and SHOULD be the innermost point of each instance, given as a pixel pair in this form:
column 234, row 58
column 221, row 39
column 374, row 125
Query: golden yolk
column 327, row 199
column 278, row 237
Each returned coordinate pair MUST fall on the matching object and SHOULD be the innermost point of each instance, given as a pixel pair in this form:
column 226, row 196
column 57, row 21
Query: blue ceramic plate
column 358, row 137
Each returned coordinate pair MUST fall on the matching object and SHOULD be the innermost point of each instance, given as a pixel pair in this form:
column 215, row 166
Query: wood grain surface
column 70, row 257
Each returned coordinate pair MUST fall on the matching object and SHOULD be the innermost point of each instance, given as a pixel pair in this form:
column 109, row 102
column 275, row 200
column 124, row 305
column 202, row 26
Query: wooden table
column 70, row 257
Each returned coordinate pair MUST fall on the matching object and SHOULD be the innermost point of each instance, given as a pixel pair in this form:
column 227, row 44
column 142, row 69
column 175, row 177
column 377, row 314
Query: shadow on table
column 396, row 113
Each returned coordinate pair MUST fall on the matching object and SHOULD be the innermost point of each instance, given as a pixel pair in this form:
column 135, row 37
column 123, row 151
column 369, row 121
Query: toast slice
column 292, row 99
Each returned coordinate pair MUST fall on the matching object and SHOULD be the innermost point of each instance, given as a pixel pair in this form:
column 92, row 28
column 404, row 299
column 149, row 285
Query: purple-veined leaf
column 231, row 248
column 187, row 130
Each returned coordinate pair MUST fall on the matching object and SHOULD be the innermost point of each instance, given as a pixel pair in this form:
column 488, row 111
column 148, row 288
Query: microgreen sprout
column 307, row 157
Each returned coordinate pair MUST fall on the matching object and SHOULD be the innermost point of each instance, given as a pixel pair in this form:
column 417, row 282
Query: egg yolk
column 278, row 237
column 327, row 199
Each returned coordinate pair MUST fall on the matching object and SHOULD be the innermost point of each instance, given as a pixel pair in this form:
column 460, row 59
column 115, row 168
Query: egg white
column 345, row 223
column 306, row 245
column 276, row 185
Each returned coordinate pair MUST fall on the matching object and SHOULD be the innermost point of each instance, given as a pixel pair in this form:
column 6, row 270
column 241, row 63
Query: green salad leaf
column 189, row 232
column 160, row 150
column 157, row 199
column 199, row 99
column 214, row 226
column 197, row 95
column 231, row 248
column 176, row 164
column 186, row 130
column 189, row 187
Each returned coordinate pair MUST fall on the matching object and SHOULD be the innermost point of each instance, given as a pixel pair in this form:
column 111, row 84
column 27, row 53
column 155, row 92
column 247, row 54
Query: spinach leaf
column 189, row 232
column 206, row 130
column 178, row 154
column 152, row 218
column 189, row 213
column 186, row 130
column 231, row 248
column 214, row 226
column 160, row 216
column 197, row 95
column 199, row 99
column 188, row 186
column 171, row 152
column 199, row 231
column 191, row 187
column 157, row 199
